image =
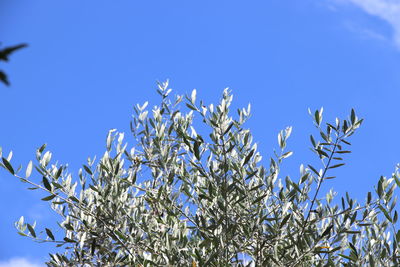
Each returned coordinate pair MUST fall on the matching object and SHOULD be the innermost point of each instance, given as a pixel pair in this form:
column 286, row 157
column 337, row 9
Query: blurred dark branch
column 4, row 56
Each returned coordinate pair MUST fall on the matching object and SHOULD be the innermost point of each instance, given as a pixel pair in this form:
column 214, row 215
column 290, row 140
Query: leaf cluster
column 199, row 194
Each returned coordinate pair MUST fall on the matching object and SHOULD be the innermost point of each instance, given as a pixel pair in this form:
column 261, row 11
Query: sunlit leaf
column 28, row 169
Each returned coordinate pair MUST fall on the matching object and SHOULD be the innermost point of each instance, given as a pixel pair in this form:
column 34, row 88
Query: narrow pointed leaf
column 28, row 171
column 49, row 234
column 8, row 166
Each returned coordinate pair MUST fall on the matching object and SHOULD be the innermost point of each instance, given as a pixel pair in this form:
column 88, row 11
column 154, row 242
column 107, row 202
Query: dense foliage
column 181, row 198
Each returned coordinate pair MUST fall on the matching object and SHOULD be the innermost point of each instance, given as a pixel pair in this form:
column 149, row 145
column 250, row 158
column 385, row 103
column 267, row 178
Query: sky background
column 89, row 62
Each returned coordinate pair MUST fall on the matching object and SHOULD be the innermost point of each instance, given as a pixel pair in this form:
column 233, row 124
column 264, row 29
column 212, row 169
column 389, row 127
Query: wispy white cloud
column 365, row 32
column 388, row 10
column 19, row 262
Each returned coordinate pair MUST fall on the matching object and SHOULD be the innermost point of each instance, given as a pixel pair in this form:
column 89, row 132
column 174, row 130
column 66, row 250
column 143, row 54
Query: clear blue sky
column 90, row 61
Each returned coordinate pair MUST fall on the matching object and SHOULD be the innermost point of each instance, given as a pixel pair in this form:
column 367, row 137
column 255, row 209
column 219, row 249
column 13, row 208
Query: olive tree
column 192, row 190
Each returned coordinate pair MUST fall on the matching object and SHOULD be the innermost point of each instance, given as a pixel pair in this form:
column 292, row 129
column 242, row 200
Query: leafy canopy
column 179, row 198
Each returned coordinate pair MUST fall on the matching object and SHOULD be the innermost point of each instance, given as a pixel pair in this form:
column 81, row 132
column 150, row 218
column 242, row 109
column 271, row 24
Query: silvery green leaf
column 46, row 158
column 28, row 170
column 21, row 221
column 9, row 157
column 287, row 154
column 193, row 96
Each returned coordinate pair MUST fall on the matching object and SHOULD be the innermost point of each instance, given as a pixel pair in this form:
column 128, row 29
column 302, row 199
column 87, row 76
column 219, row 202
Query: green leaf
column 380, row 189
column 68, row 226
column 28, row 169
column 351, row 257
column 196, row 150
column 239, row 200
column 93, row 188
column 93, row 247
column 334, row 249
column 8, row 166
column 365, row 224
column 385, row 213
column 74, row 199
column 343, row 151
column 48, row 198
column 284, row 221
column 313, row 141
column 397, row 180
column 327, row 231
column 324, row 136
column 50, row 234
column 346, row 142
column 304, row 178
column 66, row 239
column 120, row 235
column 336, row 166
column 191, row 106
column 58, row 173
column 227, row 129
column 193, row 96
column 321, row 152
column 352, row 232
column 87, row 169
column 57, row 185
column 256, row 187
column 46, row 184
column 21, row 221
column 31, row 230
column 41, row 149
column 251, row 175
column 317, row 117
column 248, row 157
column 313, row 169
column 353, row 248
column 257, row 200
column 353, row 116
column 358, row 123
column 287, row 154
